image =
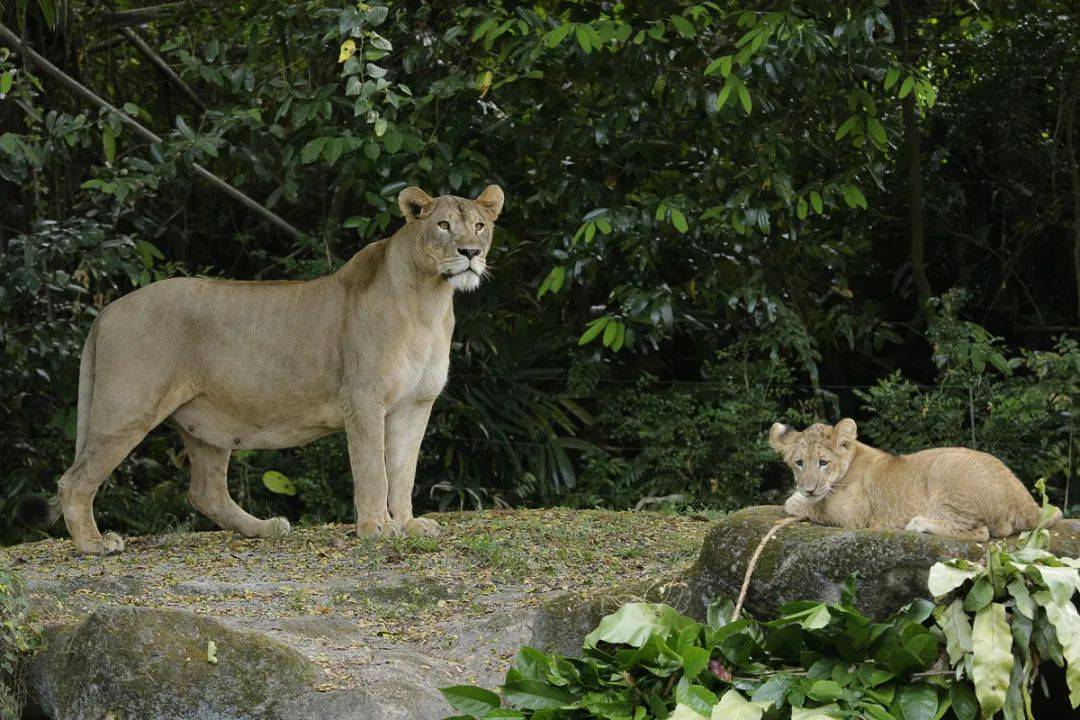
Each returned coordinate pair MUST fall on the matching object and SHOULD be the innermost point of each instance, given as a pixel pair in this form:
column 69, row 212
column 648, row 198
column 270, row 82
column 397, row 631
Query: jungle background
column 718, row 215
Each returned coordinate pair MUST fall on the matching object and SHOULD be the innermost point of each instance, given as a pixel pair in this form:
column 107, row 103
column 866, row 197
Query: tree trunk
column 913, row 163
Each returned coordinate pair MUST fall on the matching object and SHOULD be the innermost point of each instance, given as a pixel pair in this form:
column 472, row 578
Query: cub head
column 818, row 456
column 452, row 235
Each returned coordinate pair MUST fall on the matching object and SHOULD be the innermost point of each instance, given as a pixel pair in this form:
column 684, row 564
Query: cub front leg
column 797, row 505
column 364, row 428
column 405, row 427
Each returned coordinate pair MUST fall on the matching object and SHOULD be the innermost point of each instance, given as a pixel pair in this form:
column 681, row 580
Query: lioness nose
column 470, row 253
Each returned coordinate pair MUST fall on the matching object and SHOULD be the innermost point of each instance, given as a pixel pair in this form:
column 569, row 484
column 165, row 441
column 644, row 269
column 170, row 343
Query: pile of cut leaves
column 974, row 652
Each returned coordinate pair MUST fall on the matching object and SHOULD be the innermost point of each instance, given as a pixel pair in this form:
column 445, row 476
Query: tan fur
column 278, row 364
column 953, row 492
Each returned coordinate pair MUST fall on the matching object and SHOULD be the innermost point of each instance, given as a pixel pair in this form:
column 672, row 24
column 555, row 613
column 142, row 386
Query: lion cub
column 953, row 492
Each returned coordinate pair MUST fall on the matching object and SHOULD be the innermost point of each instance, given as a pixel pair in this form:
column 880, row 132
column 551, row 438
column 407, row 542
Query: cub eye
column 823, row 463
column 444, row 225
column 479, row 227
column 798, row 464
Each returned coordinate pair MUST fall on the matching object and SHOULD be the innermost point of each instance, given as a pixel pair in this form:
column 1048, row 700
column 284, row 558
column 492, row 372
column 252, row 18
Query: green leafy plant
column 19, row 639
column 975, row 652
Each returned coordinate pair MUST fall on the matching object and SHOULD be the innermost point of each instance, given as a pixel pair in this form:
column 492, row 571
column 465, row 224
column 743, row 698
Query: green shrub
column 19, row 638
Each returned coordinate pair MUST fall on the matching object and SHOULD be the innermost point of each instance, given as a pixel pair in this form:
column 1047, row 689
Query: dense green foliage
column 708, row 227
column 975, row 653
column 19, row 639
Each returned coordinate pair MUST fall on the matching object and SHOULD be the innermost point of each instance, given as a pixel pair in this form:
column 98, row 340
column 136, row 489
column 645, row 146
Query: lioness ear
column 845, row 432
column 780, row 436
column 491, row 200
column 414, row 202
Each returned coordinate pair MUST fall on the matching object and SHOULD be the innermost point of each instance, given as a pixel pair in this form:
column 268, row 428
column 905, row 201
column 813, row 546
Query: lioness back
column 954, row 492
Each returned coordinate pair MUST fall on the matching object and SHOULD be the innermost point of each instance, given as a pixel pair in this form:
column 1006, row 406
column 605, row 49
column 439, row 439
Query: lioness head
column 818, row 456
column 452, row 234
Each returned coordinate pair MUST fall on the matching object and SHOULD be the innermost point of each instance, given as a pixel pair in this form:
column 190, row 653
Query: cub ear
column 414, row 203
column 491, row 201
column 780, row 436
column 845, row 432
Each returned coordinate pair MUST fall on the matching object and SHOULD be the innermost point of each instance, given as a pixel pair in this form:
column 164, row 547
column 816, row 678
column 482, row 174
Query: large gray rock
column 147, row 663
column 319, row 625
column 801, row 562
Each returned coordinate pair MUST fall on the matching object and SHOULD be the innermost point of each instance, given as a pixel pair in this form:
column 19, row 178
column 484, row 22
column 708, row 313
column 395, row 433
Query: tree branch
column 75, row 87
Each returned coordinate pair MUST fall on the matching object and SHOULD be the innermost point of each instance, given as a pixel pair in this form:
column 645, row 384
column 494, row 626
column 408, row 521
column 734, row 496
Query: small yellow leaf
column 211, row 652
column 484, row 82
column 347, row 49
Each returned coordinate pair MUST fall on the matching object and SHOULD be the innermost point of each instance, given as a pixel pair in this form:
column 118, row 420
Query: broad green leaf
column 634, row 623
column 679, row 220
column 685, row 712
column 535, row 695
column 6, row 81
column 1066, row 622
column 471, row 700
column 683, row 26
column 847, row 126
column 964, row 702
column 312, row 150
column 694, row 659
column 945, row 578
column 954, row 623
column 891, row 77
column 1022, row 597
column 815, row 200
column 876, row 130
column 744, row 98
column 919, row 701
column 801, row 209
column 594, row 329
column 733, row 706
column 1060, row 581
column 993, row 659
column 611, row 331
column 981, row 593
column 907, row 86
column 825, row 690
column 108, row 142
column 276, row 482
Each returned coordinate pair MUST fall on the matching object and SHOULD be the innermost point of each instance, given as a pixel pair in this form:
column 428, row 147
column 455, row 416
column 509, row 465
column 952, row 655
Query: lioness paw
column 423, row 527
column 378, row 528
column 277, row 527
column 107, row 544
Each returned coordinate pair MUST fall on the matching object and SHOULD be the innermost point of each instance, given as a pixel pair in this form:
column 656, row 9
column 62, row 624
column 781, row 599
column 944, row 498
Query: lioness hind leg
column 79, row 486
column 209, row 492
column 953, row 527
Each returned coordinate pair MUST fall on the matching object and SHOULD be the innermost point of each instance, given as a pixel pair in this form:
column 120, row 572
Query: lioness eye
column 798, row 464
column 444, row 225
column 823, row 463
column 479, row 227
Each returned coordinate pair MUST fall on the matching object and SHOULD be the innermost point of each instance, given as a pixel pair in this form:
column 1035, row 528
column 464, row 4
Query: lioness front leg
column 405, row 427
column 365, row 430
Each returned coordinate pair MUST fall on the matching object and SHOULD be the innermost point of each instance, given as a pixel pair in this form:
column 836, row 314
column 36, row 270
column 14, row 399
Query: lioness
column 953, row 492
column 278, row 364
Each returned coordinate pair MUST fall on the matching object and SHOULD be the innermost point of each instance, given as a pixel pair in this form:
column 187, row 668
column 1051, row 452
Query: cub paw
column 918, row 524
column 423, row 527
column 378, row 528
column 797, row 506
column 107, row 544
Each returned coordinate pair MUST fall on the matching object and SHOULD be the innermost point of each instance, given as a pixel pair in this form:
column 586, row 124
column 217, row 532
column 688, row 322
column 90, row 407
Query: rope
column 781, row 523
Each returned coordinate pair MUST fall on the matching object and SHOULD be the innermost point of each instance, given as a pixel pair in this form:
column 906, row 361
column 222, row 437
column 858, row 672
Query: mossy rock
column 149, row 663
column 801, row 562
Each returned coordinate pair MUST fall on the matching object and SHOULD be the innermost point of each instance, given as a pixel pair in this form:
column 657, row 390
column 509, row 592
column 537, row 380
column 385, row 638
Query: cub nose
column 469, row 253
